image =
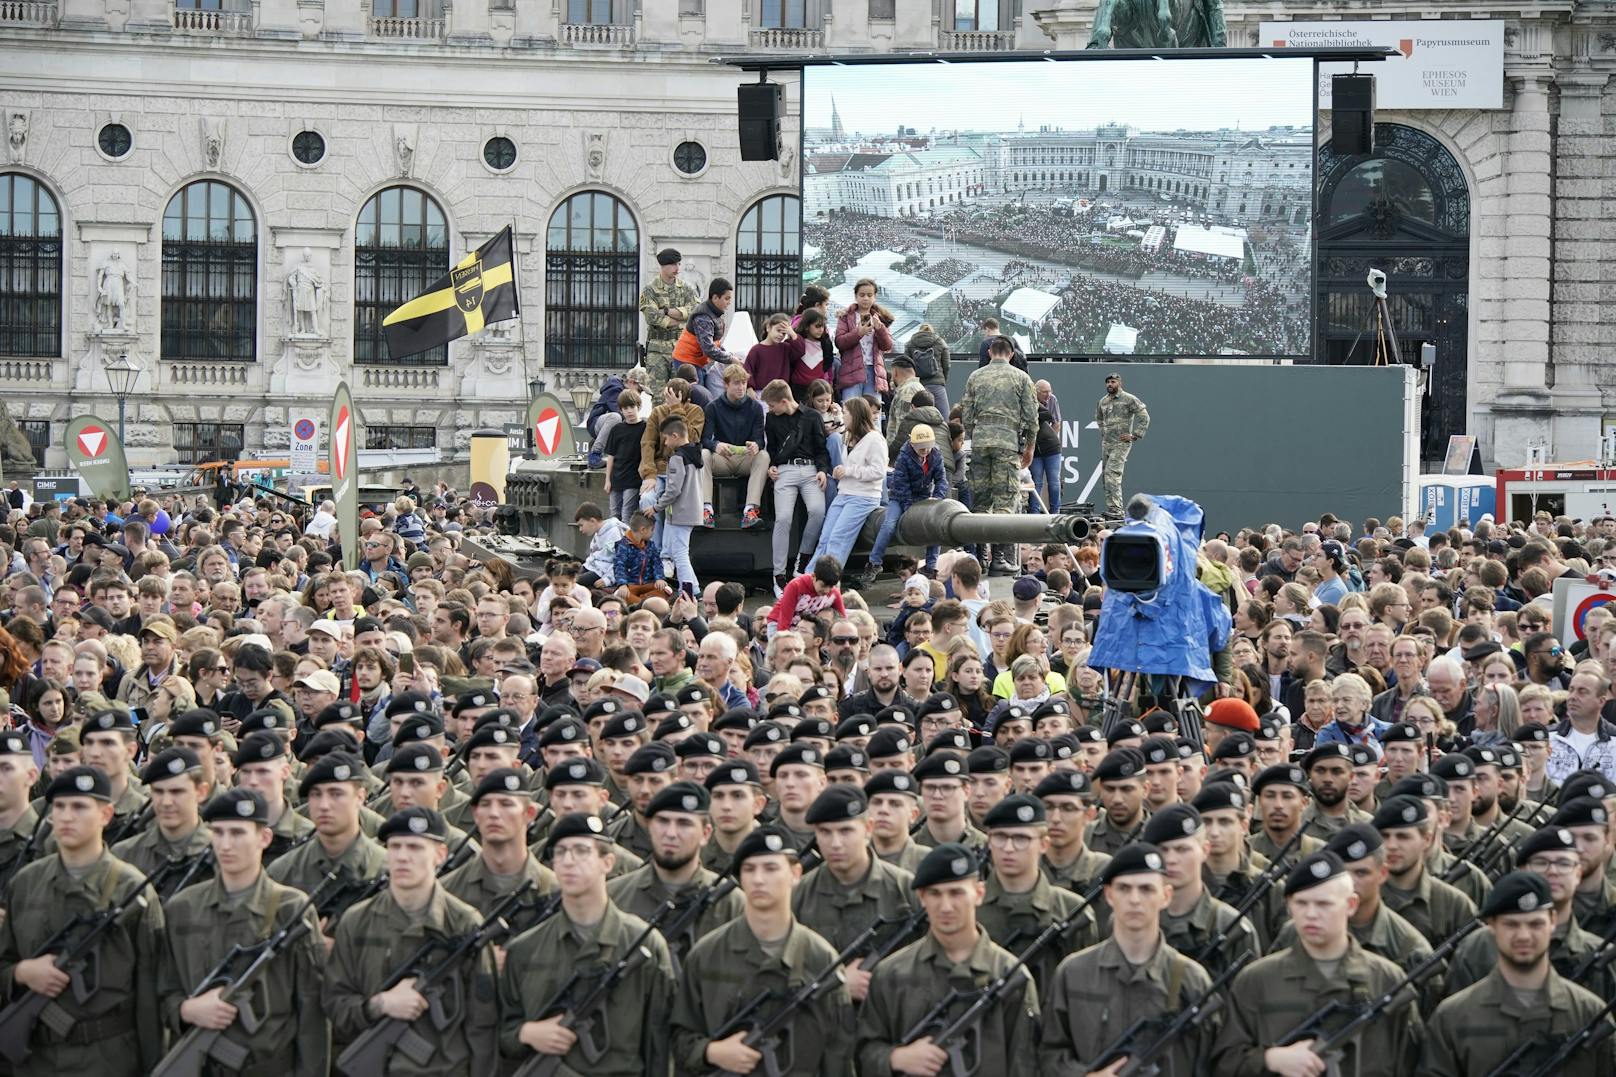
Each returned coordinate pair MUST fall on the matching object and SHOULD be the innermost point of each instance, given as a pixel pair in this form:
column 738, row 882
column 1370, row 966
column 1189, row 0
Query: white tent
column 1154, row 238
column 1029, row 306
column 1120, row 339
column 1193, row 239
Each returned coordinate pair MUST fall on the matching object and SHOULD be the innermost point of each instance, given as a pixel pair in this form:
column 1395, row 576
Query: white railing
column 182, row 372
column 399, row 377
column 28, row 371
column 192, row 21
column 396, row 28
column 28, row 12
column 788, row 38
column 977, row 41
column 583, row 33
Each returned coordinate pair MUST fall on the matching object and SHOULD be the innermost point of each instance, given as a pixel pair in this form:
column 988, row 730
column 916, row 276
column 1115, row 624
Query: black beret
column 987, row 760
column 1509, row 759
column 1481, row 755
column 886, row 743
column 258, row 748
column 110, row 720
column 700, row 744
column 1553, row 838
column 14, row 743
column 737, row 718
column 1362, row 755
column 196, row 722
column 575, row 825
column 1229, row 776
column 1401, row 811
column 417, row 822
column 578, row 771
column 1402, row 732
column 814, row 693
column 1088, row 734
column 1354, row 842
column 623, row 723
column 673, row 723
column 1135, row 858
column 1159, row 750
column 1064, row 746
column 1517, row 892
column 1052, row 708
column 695, row 692
column 1426, row 786
column 837, row 804
column 79, row 782
column 415, row 758
column 1267, row 729
column 937, row 703
column 667, row 256
column 732, row 772
column 326, row 741
column 417, row 727
column 1030, row 750
column 938, row 765
column 651, row 759
column 785, row 708
column 564, row 731
column 1584, row 783
column 1221, row 796
column 1119, row 764
column 505, row 781
column 603, row 708
column 1014, row 712
column 1188, row 749
column 475, row 699
column 555, row 712
column 897, row 714
column 1531, row 733
column 857, row 725
column 236, row 805
column 765, row 733
column 1313, row 870
column 660, row 703
column 797, row 755
column 1237, row 745
column 1280, row 774
column 1064, row 783
column 331, row 768
column 814, row 727
column 764, row 841
column 501, row 716
column 1333, row 750
column 493, row 736
column 1172, row 823
column 686, row 797
column 1581, row 811
column 1017, row 810
column 171, row 763
column 846, row 757
column 950, row 740
column 1161, row 723
column 1125, row 729
column 341, row 711
column 892, row 781
column 1453, row 767
column 946, row 863
column 409, row 703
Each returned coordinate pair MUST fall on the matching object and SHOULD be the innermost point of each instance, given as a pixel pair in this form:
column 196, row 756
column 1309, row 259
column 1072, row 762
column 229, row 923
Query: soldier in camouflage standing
column 665, row 304
column 1123, row 420
column 1000, row 412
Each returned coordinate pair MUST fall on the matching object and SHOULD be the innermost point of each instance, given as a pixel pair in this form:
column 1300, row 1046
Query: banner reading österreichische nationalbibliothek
column 1445, row 63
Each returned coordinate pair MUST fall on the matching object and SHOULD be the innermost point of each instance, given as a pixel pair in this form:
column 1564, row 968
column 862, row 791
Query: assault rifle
column 236, row 976
column 344, row 897
column 960, row 1038
column 1363, row 1014
column 586, row 1017
column 1256, row 892
column 1480, row 850
column 692, row 909
column 77, row 947
column 457, row 856
column 1596, row 959
column 1145, row 1041
column 767, row 1027
column 182, row 879
column 1546, row 1056
column 435, row 981
column 132, row 823
column 24, row 855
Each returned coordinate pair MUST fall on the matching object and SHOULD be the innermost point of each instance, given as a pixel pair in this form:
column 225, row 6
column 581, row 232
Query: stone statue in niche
column 213, row 142
column 304, row 287
column 17, row 135
column 404, row 146
column 596, row 155
column 114, row 291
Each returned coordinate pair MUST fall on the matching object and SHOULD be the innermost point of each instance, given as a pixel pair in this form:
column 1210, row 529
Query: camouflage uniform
column 117, row 1033
column 1476, row 1029
column 840, row 913
column 661, row 331
column 203, row 924
column 1116, row 416
column 1000, row 413
column 474, row 884
column 1015, row 920
column 641, row 892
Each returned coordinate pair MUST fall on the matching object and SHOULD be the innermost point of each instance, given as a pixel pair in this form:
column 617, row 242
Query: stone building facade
column 221, row 190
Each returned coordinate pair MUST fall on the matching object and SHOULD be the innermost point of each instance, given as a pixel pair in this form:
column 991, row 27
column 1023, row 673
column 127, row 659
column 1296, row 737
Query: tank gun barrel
column 949, row 523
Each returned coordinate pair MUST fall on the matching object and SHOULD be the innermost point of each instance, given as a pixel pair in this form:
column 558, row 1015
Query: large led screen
column 1128, row 207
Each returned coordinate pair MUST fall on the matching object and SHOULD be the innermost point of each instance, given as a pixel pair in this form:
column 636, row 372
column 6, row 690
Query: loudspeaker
column 761, row 104
column 1352, row 109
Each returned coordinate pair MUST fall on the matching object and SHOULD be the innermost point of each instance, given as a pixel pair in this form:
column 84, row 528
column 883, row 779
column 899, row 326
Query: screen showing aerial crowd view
column 1152, row 207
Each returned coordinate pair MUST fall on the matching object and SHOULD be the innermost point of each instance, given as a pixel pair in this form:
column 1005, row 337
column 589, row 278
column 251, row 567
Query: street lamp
column 121, row 375
column 582, row 397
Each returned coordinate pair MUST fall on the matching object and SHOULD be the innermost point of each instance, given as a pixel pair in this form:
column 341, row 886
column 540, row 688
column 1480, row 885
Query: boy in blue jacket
column 637, row 562
column 917, row 475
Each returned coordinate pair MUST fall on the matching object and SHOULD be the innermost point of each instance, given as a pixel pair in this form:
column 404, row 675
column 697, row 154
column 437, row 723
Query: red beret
column 1233, row 714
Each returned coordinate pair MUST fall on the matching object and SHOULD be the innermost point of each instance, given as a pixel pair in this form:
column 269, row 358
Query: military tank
column 542, row 496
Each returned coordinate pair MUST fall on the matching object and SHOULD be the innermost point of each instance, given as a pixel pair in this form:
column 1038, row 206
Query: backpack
column 925, row 360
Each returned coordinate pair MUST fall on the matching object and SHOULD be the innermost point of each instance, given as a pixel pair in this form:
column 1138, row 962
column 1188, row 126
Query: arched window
column 210, row 274
column 591, row 283
column 768, row 258
column 401, row 245
column 30, row 269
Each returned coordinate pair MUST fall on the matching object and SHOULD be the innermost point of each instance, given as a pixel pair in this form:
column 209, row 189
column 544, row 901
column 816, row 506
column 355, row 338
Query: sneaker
column 751, row 517
column 867, row 577
column 706, row 516
column 780, row 582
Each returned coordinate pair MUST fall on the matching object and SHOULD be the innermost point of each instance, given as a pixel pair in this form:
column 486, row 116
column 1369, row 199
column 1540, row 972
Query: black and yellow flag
column 479, row 290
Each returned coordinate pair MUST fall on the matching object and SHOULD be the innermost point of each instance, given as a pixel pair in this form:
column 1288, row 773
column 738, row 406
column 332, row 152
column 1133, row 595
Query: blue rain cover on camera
column 1174, row 629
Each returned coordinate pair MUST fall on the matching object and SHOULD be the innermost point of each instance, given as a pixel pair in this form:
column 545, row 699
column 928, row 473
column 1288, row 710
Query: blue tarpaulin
column 1174, row 629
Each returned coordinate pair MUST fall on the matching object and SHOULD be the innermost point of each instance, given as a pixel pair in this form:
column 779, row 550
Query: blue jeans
column 889, row 527
column 833, row 446
column 658, row 528
column 711, row 377
column 843, row 521
column 677, row 537
column 625, row 503
column 1046, row 471
column 939, row 396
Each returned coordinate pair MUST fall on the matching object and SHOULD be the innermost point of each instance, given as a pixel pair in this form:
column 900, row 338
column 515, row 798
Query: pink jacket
column 851, row 370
